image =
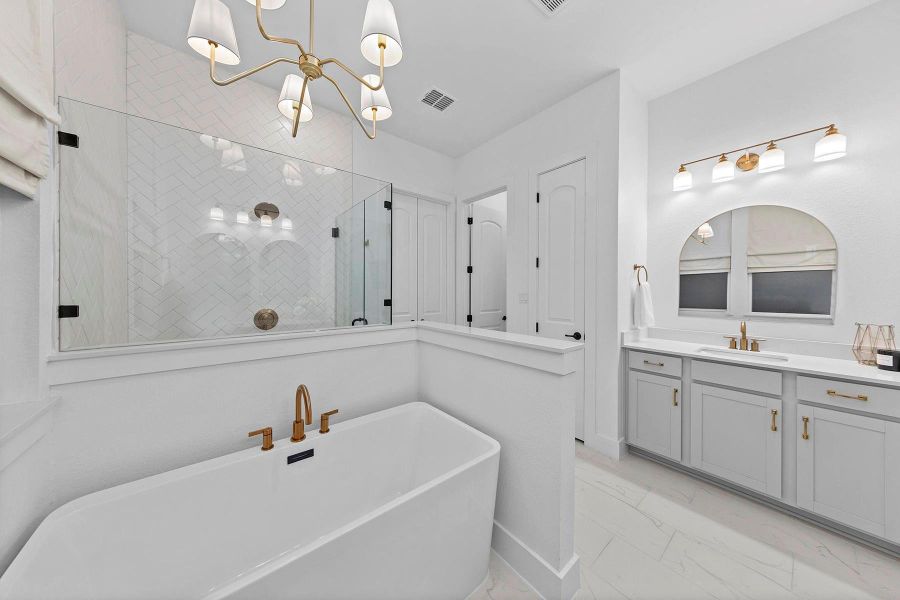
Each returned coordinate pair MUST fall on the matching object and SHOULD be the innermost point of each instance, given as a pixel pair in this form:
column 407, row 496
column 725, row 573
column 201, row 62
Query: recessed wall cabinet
column 743, row 425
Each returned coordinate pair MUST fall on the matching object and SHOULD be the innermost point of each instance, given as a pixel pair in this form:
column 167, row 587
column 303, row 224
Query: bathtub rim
column 284, row 448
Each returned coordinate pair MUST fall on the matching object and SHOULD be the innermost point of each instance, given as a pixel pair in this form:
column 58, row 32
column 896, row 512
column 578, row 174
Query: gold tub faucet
column 302, row 405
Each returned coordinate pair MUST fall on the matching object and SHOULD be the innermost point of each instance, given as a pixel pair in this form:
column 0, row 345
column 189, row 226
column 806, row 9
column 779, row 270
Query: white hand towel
column 643, row 307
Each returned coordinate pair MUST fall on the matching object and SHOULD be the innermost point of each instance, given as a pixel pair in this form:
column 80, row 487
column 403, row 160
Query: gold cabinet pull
column 675, row 397
column 774, row 414
column 805, row 428
column 266, row 432
column 323, row 420
column 836, row 394
column 654, row 364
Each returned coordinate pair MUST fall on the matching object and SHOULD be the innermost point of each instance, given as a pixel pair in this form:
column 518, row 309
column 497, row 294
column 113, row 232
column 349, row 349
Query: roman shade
column 780, row 239
column 26, row 94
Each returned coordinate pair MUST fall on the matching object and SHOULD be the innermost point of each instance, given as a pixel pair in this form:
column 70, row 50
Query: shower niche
column 167, row 234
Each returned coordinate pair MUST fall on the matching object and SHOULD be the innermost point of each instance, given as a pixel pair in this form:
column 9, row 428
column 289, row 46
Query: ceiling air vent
column 437, row 99
column 550, row 7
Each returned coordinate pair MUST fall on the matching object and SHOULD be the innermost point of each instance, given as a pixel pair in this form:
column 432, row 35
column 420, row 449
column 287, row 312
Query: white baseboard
column 550, row 583
column 611, row 447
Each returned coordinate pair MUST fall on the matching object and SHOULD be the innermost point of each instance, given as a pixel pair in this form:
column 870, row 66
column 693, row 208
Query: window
column 704, row 291
column 792, row 292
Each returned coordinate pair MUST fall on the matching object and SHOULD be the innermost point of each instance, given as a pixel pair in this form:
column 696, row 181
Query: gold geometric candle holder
column 869, row 339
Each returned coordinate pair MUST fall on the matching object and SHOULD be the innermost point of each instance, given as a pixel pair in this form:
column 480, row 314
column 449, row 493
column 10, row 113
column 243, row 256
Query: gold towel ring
column 637, row 273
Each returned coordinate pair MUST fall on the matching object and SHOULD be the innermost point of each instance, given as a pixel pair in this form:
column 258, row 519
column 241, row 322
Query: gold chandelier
column 211, row 33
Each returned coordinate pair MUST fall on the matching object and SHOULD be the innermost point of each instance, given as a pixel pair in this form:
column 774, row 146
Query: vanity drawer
column 655, row 363
column 855, row 396
column 743, row 378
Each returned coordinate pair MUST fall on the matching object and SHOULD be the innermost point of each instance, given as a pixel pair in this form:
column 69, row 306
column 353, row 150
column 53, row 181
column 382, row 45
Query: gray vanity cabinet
column 848, row 469
column 737, row 436
column 654, row 413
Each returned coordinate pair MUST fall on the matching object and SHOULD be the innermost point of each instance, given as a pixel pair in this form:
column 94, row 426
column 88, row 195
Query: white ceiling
column 504, row 60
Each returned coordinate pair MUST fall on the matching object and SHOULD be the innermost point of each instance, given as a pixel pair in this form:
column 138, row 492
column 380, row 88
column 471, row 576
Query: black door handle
column 576, row 335
column 504, row 318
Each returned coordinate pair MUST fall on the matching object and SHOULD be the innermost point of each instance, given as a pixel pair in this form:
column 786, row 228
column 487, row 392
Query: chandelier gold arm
column 298, row 106
column 271, row 38
column 248, row 72
column 372, row 135
column 357, row 77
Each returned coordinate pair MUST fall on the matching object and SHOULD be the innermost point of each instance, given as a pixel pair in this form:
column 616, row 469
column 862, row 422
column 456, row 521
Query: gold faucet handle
column 754, row 344
column 323, row 420
column 732, row 344
column 266, row 432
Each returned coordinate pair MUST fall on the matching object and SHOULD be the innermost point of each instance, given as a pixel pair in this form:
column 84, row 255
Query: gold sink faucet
column 302, row 405
column 744, row 345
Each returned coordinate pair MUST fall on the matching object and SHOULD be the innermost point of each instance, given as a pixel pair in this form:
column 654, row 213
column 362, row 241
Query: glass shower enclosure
column 167, row 234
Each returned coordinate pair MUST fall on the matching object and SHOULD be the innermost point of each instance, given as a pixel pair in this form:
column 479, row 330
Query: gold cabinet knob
column 323, row 420
column 805, row 435
column 266, row 432
column 774, row 426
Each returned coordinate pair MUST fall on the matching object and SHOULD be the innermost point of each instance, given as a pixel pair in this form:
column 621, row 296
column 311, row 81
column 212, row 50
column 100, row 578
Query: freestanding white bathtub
column 396, row 504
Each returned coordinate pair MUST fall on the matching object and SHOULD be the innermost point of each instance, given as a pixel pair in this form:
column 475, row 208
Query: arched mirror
column 765, row 261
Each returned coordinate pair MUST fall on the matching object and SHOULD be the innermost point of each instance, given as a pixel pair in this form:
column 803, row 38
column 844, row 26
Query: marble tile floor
column 646, row 532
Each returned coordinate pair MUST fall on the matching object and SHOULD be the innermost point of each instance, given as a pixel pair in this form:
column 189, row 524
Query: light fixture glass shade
column 211, row 22
column 290, row 97
column 772, row 159
column 832, row 146
column 286, row 223
column 381, row 23
column 723, row 171
column 265, row 221
column 269, row 4
column 705, row 231
column 233, row 159
column 216, row 213
column 683, row 180
column 242, row 217
column 369, row 101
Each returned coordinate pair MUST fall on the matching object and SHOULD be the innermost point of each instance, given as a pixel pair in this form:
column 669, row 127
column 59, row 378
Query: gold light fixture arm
column 787, row 137
column 353, row 73
column 247, row 73
column 371, row 136
column 272, row 38
column 298, row 107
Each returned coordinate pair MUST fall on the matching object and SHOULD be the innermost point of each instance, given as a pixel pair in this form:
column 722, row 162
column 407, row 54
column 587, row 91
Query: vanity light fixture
column 830, row 147
column 216, row 213
column 683, row 180
column 211, row 33
column 723, row 171
column 242, row 217
column 772, row 159
column 287, row 224
column 265, row 221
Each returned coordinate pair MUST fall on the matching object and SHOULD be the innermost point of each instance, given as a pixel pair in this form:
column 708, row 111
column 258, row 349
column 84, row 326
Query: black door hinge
column 538, row 197
column 387, row 301
column 469, row 269
column 388, row 204
column 537, row 327
column 468, row 318
column 67, row 311
column 335, row 232
column 67, row 139
column 537, row 262
column 470, row 220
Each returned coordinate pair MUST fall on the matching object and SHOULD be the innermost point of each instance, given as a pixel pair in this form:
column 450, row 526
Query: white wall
column 842, row 73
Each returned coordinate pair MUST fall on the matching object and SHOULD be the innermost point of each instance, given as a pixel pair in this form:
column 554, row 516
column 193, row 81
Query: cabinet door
column 737, row 436
column 848, row 469
column 654, row 414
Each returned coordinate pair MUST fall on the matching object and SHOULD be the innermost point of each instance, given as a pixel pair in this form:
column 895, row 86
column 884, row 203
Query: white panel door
column 560, row 262
column 433, row 261
column 654, row 414
column 848, row 469
column 404, row 252
column 488, row 261
column 737, row 436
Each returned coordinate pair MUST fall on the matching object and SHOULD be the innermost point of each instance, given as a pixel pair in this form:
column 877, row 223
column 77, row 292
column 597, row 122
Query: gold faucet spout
column 302, row 404
column 744, row 345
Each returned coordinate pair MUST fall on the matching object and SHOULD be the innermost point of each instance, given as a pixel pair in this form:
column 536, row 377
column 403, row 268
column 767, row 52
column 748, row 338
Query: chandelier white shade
column 683, row 180
column 705, row 231
column 289, row 99
column 211, row 33
column 380, row 27
column 269, row 4
column 832, row 146
column 723, row 171
column 374, row 105
column 211, row 24
column 772, row 159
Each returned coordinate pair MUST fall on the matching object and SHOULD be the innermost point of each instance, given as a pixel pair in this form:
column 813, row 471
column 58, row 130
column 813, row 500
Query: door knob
column 576, row 335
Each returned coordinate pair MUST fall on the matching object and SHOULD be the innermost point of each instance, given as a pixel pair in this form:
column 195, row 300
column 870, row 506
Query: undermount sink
column 744, row 354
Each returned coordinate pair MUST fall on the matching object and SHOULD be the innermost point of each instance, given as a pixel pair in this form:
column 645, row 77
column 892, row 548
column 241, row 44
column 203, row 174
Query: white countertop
column 797, row 363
